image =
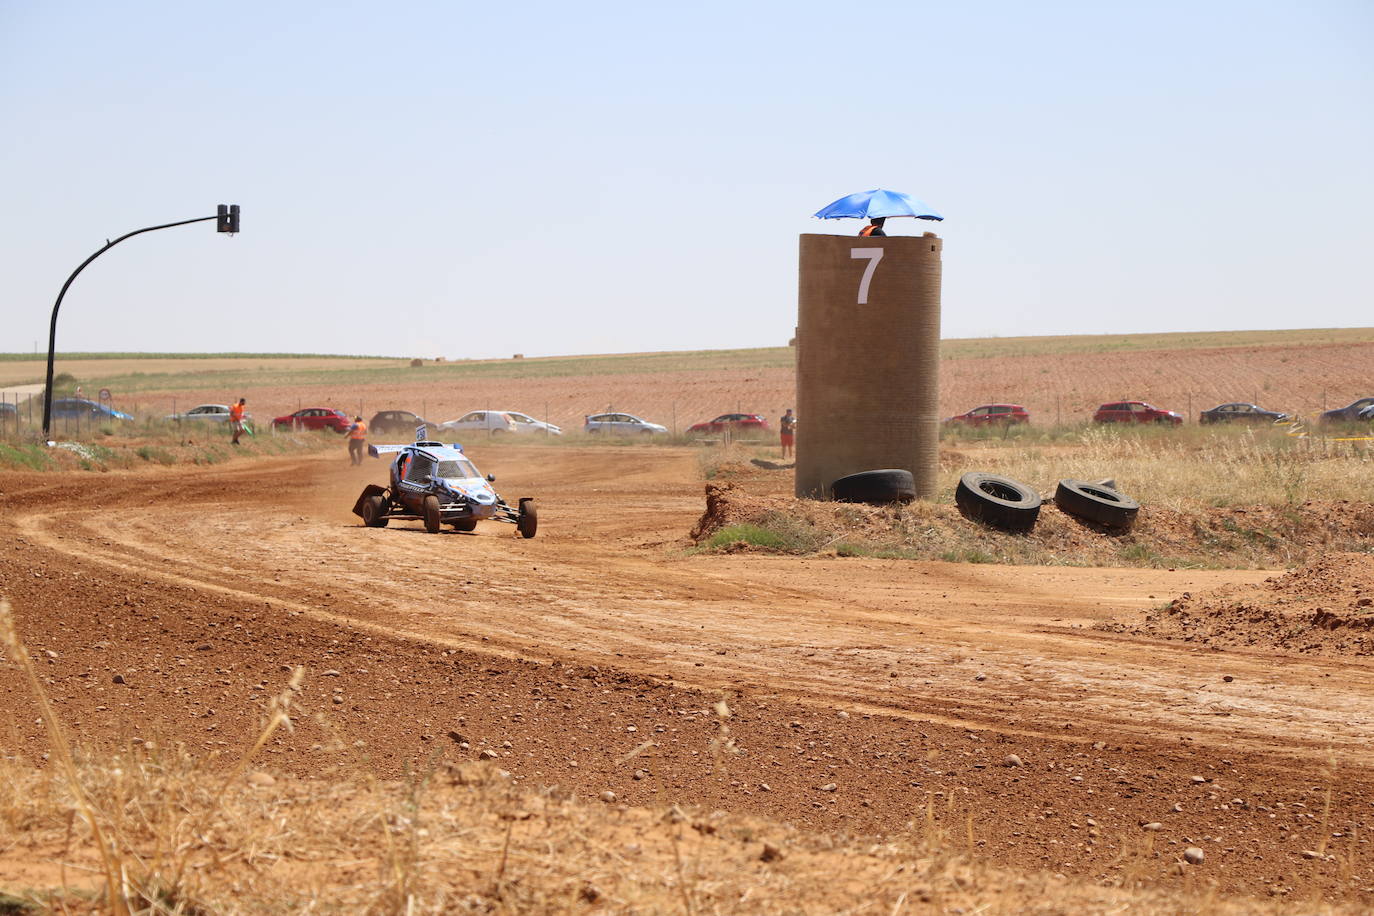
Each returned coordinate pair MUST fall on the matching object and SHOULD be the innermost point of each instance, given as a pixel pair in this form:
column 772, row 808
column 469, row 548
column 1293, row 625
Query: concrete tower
column 868, row 359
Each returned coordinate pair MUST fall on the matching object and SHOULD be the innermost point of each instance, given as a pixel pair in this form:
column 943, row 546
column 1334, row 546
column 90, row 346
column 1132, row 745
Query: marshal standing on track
column 236, row 418
column 357, row 441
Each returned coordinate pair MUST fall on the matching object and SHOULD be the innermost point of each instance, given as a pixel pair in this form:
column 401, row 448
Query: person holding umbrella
column 876, row 206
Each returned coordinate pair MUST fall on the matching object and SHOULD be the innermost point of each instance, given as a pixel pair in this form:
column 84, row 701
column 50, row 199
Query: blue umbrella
column 876, row 203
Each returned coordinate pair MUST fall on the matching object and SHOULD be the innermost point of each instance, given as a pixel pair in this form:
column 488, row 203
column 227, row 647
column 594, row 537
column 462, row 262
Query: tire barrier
column 999, row 502
column 1097, row 503
column 878, row 488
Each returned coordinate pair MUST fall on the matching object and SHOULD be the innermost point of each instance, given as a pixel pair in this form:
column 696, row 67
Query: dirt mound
column 1232, row 536
column 1325, row 607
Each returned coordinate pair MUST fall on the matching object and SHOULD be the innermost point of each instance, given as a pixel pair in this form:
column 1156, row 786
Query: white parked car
column 206, row 413
column 497, row 422
column 621, row 424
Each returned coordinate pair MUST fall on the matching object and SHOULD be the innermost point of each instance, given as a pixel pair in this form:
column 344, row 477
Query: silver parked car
column 206, row 413
column 621, row 424
column 497, row 422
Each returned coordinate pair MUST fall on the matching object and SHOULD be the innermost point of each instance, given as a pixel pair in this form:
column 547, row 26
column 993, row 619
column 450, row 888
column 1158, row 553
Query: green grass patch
column 82, row 354
column 848, row 549
column 28, row 456
column 774, row 531
column 155, row 454
column 968, row 555
column 753, row 535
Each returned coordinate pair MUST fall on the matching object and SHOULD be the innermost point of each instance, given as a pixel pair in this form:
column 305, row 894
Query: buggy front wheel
column 528, row 522
column 431, row 512
column 374, row 512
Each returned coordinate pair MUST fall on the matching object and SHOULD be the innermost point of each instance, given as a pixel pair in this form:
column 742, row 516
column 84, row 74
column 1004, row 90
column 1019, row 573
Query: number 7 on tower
column 874, row 255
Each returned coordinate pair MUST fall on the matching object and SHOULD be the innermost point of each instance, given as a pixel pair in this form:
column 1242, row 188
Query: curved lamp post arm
column 52, row 329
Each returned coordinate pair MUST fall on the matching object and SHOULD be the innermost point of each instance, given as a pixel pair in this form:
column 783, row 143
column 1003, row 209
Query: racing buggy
column 438, row 485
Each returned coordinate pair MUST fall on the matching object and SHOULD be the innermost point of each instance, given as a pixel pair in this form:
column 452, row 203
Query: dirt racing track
column 863, row 692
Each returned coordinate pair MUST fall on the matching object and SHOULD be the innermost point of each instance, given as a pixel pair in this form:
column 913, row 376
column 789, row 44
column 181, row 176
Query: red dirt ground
column 1325, row 608
column 862, row 690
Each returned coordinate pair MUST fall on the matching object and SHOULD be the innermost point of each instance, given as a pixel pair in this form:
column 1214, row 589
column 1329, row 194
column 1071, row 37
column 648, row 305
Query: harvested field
column 1060, row 380
column 864, row 696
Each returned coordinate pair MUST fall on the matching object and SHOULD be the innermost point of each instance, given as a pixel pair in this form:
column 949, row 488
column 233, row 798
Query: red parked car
column 992, row 413
column 1134, row 412
column 315, row 418
column 734, row 422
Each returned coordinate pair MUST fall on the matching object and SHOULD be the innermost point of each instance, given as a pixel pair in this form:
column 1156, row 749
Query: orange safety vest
column 867, row 231
column 358, row 430
column 236, row 412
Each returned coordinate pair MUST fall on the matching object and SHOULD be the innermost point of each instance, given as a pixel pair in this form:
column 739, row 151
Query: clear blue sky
column 467, row 179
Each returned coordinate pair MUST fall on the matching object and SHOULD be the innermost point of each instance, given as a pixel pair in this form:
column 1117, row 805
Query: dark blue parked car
column 82, row 410
column 1347, row 414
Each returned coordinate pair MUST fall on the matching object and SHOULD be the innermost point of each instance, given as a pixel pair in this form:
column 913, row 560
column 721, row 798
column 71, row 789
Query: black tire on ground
column 528, row 523
column 891, row 485
column 1096, row 503
column 431, row 513
column 593, row 431
column 998, row 501
column 374, row 512
column 466, row 524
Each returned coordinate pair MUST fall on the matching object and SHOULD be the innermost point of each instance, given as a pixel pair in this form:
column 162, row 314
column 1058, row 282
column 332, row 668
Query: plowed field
column 1293, row 375
column 863, row 692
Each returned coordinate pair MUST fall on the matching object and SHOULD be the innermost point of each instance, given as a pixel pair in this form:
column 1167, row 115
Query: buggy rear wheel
column 431, row 512
column 466, row 524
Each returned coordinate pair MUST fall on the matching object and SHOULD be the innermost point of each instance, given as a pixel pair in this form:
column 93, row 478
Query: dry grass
column 123, row 448
column 152, row 830
column 1179, row 469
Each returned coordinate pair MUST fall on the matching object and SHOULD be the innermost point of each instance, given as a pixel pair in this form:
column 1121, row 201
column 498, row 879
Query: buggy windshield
column 455, row 468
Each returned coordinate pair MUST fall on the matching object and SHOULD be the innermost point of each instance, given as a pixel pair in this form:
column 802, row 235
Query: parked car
column 621, row 424
column 992, row 413
column 735, row 423
column 497, row 422
column 82, row 409
column 1347, row 414
column 315, row 418
column 1241, row 413
column 207, row 413
column 387, row 422
column 1135, row 412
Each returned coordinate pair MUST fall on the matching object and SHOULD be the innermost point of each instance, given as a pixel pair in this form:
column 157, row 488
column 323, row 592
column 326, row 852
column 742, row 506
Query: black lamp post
column 226, row 220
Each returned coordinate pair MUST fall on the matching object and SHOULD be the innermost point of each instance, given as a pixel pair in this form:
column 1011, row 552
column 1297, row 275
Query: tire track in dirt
column 731, row 622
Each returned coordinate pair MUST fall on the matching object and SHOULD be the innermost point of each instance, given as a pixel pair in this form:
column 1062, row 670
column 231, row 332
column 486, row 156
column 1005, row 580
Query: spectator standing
column 357, row 441
column 236, row 418
column 874, row 228
column 787, row 432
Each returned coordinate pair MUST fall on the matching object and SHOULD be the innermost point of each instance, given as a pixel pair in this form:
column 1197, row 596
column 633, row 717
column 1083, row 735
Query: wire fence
column 21, row 414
